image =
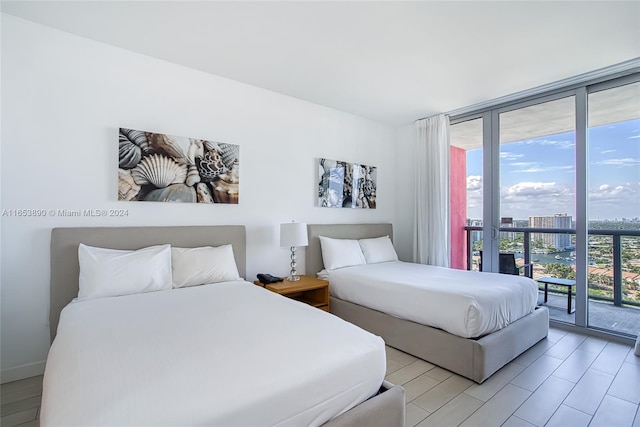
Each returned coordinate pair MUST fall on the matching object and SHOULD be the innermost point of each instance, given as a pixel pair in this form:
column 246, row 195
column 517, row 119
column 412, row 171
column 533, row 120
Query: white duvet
column 227, row 354
column 465, row 303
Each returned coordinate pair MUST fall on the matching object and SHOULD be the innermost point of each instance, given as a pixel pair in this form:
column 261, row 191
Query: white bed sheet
column 465, row 303
column 226, row 354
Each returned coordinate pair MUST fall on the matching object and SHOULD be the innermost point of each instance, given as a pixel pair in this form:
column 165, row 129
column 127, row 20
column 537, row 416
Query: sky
column 537, row 176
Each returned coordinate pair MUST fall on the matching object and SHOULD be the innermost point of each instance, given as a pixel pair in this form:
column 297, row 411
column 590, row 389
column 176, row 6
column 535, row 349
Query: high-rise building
column 507, row 222
column 475, row 235
column 558, row 241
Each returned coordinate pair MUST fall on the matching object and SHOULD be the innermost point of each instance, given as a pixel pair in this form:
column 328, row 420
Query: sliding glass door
column 555, row 181
column 537, row 192
column 614, row 207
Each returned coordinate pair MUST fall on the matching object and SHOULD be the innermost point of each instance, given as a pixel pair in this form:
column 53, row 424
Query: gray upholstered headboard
column 65, row 269
column 313, row 258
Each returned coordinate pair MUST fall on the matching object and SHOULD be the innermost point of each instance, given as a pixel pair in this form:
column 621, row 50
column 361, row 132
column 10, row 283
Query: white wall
column 63, row 99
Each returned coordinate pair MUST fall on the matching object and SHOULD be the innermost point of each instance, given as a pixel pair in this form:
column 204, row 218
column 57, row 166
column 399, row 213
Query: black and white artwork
column 154, row 167
column 346, row 185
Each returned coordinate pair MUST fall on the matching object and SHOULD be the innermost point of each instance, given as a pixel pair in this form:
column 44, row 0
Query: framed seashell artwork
column 346, row 185
column 154, row 167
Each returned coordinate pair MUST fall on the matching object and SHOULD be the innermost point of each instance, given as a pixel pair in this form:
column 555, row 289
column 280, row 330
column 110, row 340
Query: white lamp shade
column 293, row 234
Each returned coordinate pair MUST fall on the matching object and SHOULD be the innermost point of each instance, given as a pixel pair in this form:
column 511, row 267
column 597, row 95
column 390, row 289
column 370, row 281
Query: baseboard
column 21, row 372
column 611, row 336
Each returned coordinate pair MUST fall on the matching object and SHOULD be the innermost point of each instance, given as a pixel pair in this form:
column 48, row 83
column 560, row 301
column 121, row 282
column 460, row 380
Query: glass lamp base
column 293, row 274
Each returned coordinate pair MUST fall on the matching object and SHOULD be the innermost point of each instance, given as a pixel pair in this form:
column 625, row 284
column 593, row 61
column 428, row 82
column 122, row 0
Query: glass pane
column 631, row 271
column 466, row 189
column 537, row 189
column 614, row 209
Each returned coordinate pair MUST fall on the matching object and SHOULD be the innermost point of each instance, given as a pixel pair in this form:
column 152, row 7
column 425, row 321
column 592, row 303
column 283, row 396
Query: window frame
column 579, row 87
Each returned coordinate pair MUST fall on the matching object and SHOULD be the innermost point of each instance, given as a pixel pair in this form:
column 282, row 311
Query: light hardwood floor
column 21, row 402
column 565, row 380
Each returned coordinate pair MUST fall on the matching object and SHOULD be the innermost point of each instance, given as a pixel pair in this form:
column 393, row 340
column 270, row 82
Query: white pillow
column 338, row 253
column 199, row 266
column 323, row 274
column 379, row 249
column 112, row 272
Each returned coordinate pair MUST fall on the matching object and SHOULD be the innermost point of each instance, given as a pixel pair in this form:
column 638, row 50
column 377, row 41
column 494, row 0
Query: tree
column 559, row 270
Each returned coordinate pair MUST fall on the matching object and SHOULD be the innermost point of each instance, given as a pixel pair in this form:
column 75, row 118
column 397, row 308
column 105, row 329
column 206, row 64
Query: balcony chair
column 507, row 265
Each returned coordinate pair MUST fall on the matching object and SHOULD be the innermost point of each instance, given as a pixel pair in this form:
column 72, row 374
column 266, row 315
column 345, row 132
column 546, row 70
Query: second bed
column 462, row 321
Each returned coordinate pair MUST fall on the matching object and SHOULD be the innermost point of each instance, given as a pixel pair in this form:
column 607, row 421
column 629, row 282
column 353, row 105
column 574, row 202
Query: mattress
column 229, row 354
column 469, row 304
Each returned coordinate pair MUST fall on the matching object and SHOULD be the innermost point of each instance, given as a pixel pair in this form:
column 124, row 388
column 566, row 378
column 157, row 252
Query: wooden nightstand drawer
column 308, row 290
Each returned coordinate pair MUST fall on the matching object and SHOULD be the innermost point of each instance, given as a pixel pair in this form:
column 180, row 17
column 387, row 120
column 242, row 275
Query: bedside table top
column 305, row 283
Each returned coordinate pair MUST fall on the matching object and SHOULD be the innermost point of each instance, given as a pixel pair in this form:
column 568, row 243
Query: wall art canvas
column 346, row 185
column 154, row 167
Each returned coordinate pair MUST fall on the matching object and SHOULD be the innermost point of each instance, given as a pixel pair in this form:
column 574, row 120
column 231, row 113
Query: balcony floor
column 602, row 315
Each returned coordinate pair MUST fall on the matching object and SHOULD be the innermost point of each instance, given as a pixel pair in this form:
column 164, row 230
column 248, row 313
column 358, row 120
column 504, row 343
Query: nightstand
column 308, row 290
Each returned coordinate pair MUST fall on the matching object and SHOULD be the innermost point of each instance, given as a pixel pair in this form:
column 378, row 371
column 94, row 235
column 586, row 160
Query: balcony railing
column 617, row 235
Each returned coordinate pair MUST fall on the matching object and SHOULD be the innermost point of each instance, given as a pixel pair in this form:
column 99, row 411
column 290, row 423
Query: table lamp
column 293, row 234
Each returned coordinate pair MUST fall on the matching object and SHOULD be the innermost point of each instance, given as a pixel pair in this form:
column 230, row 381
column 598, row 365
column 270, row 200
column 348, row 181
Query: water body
column 565, row 258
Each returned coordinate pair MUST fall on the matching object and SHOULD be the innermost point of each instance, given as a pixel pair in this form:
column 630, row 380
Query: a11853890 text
column 30, row 213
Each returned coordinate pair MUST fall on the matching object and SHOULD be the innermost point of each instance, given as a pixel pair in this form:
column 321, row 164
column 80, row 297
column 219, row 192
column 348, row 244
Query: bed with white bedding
column 468, row 304
column 226, row 353
column 203, row 355
column 470, row 323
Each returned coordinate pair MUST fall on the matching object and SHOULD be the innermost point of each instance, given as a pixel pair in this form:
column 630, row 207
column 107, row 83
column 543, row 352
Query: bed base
column 385, row 409
column 476, row 359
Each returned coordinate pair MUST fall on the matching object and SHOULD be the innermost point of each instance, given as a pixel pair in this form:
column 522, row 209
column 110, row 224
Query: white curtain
column 432, row 223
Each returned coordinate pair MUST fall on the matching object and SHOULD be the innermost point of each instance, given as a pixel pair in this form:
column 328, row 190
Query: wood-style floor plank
column 414, row 414
column 499, row 408
column 614, row 412
column 626, row 384
column 19, row 417
column 544, row 402
column 20, row 405
column 566, row 416
column 611, row 358
column 589, row 392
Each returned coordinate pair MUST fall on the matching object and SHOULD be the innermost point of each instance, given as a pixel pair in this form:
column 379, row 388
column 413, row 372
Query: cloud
column 627, row 161
column 612, row 151
column 474, row 183
column 634, row 137
column 474, row 195
column 617, row 195
column 559, row 143
column 615, row 201
column 531, row 189
column 529, row 198
column 510, row 156
column 474, row 203
column 534, row 167
column 568, row 146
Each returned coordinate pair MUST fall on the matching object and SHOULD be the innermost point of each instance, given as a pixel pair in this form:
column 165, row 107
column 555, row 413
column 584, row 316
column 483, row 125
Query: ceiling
column 392, row 62
column 613, row 105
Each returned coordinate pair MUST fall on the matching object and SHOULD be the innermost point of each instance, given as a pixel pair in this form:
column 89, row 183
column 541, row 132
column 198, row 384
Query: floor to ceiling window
column 555, row 181
column 466, row 142
column 537, row 184
column 614, row 207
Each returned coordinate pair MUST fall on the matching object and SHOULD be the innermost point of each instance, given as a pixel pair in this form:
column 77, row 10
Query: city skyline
column 537, row 176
